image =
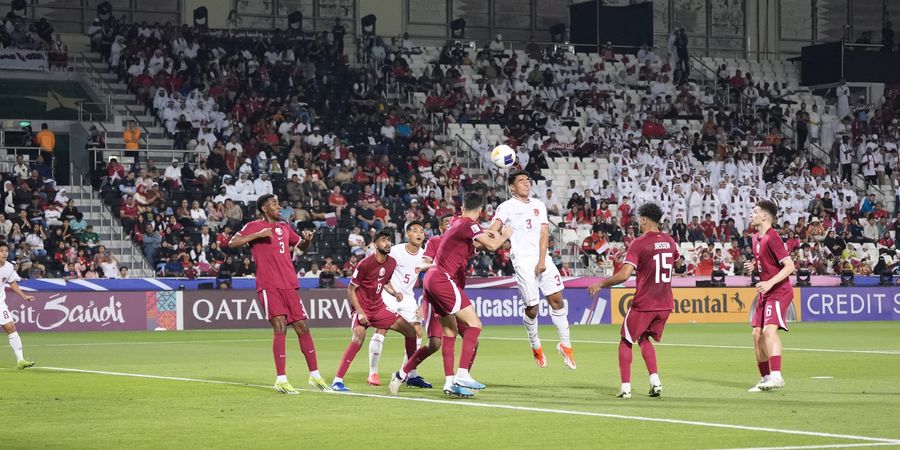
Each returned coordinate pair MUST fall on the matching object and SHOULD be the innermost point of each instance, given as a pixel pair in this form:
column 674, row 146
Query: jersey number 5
column 663, row 267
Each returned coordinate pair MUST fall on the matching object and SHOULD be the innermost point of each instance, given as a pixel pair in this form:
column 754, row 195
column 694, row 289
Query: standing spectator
column 681, row 48
column 132, row 137
column 337, row 32
column 173, row 176
column 46, row 140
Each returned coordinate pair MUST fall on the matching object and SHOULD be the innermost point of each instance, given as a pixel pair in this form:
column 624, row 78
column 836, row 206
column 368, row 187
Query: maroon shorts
column 381, row 320
column 638, row 324
column 433, row 326
column 772, row 311
column 443, row 293
column 282, row 302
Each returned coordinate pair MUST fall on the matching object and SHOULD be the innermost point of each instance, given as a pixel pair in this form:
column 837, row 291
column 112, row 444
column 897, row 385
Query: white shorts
column 5, row 316
column 531, row 286
column 407, row 308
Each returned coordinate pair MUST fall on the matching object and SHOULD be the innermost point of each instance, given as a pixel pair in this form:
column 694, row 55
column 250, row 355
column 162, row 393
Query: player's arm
column 239, row 240
column 427, row 263
column 544, row 244
column 491, row 241
column 618, row 278
column 787, row 268
column 15, row 287
column 305, row 239
column 389, row 288
column 360, row 314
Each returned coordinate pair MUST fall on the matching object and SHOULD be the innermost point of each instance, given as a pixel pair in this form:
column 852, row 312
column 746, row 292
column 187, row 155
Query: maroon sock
column 411, row 347
column 625, row 361
column 448, row 351
column 416, row 359
column 470, row 341
column 278, row 352
column 349, row 354
column 472, row 361
column 775, row 363
column 763, row 368
column 309, row 350
column 649, row 354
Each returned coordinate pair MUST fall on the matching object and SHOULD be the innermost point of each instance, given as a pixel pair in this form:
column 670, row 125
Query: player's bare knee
column 359, row 335
column 10, row 328
column 556, row 301
column 300, row 327
column 530, row 311
column 757, row 332
column 434, row 344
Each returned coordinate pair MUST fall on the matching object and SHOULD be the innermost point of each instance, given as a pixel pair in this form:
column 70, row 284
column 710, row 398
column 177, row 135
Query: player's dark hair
column 511, row 178
column 414, row 223
column 4, row 244
column 445, row 216
column 769, row 207
column 473, row 201
column 385, row 234
column 262, row 201
column 651, row 211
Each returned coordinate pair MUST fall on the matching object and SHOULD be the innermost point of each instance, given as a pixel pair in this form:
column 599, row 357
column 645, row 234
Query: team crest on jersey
column 279, row 231
column 476, row 229
column 536, row 212
column 381, row 272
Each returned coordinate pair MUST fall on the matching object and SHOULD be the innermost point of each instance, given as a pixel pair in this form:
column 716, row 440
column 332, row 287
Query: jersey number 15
column 663, row 267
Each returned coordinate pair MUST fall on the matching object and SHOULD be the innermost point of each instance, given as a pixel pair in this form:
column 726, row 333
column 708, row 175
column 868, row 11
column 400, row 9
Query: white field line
column 209, row 341
column 471, row 404
column 733, row 347
column 802, row 447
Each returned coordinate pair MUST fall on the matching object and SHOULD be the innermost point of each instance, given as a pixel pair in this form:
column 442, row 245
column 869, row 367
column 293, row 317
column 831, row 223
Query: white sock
column 16, row 343
column 626, row 387
column 531, row 327
column 403, row 375
column 448, row 381
column 654, row 379
column 375, row 345
column 281, row 379
column 337, row 380
column 315, row 374
column 560, row 318
column 776, row 374
column 462, row 373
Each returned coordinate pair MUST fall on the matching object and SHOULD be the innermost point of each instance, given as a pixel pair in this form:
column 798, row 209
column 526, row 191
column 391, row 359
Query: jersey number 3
column 663, row 267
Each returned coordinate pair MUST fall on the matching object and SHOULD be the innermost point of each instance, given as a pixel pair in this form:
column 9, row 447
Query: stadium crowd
column 286, row 114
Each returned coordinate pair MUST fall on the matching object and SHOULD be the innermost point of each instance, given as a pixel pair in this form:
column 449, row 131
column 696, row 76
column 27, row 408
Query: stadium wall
column 61, row 310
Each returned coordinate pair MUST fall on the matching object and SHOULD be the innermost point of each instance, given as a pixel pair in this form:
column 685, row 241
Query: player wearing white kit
column 409, row 258
column 9, row 277
column 530, row 239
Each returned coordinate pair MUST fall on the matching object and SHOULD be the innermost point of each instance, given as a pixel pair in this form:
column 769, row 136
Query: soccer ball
column 503, row 156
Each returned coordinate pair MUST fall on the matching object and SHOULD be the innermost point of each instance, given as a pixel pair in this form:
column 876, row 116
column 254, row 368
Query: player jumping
column 775, row 266
column 652, row 255
column 372, row 275
column 409, row 259
column 528, row 219
column 9, row 277
column 271, row 241
column 450, row 302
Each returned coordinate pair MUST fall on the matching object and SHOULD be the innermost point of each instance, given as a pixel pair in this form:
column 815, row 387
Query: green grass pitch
column 847, row 395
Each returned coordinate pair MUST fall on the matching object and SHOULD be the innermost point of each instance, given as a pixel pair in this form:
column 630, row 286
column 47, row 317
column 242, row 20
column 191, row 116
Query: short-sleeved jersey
column 7, row 275
column 274, row 269
column 526, row 219
column 769, row 252
column 457, row 245
column 431, row 247
column 405, row 275
column 369, row 278
column 653, row 255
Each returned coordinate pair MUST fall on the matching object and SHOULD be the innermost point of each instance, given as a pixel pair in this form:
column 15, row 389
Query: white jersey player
column 9, row 277
column 409, row 257
column 534, row 272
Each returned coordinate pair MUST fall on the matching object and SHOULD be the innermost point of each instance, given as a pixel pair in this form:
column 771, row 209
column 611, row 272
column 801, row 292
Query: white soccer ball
column 503, row 156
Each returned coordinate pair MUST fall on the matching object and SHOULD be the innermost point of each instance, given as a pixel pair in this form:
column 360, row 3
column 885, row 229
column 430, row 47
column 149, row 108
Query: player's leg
column 648, row 352
column 435, row 338
column 375, row 346
column 762, row 358
column 551, row 283
column 528, row 292
column 773, row 350
column 409, row 333
column 468, row 316
column 15, row 341
column 356, row 342
column 633, row 327
column 279, row 329
column 625, row 357
column 308, row 348
column 448, row 352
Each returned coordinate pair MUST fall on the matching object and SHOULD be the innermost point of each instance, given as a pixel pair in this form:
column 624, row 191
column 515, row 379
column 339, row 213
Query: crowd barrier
column 196, row 309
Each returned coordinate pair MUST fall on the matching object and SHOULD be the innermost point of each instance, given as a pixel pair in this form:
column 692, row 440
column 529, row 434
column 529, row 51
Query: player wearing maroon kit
column 450, row 302
column 652, row 255
column 271, row 241
column 373, row 274
column 771, row 260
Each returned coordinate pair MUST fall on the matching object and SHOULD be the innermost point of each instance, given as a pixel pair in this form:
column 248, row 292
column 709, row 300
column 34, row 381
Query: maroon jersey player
column 443, row 292
column 771, row 260
column 371, row 276
column 271, row 244
column 652, row 256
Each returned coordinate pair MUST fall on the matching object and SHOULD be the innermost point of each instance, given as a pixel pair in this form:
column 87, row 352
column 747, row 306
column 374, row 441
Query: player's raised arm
column 239, row 240
column 15, row 287
column 305, row 239
column 491, row 242
column 618, row 278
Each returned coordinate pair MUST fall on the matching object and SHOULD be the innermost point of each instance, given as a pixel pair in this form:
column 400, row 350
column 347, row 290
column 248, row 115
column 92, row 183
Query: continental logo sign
column 704, row 305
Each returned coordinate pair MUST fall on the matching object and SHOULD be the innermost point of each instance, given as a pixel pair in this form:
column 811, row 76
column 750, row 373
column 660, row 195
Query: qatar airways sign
column 846, row 304
column 80, row 311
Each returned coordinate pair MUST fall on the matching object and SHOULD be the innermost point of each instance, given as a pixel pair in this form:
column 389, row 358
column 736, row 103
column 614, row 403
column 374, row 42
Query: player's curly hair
column 770, row 207
column 651, row 211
